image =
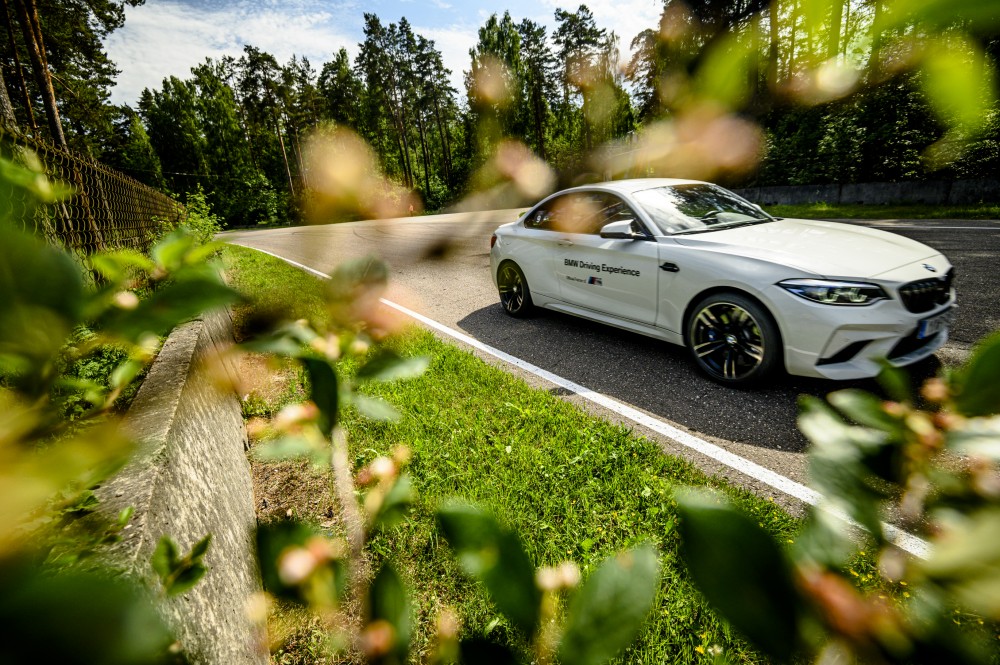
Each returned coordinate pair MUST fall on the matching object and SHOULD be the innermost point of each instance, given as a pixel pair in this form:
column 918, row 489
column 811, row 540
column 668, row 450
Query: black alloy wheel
column 733, row 339
column 514, row 293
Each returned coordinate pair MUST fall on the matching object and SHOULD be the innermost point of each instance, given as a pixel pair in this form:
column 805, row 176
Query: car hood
column 826, row 249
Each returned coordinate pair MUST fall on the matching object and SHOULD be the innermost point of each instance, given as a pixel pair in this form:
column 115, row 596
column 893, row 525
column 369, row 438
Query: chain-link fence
column 107, row 210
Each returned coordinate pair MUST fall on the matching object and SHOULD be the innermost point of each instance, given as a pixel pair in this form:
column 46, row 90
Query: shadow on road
column 658, row 377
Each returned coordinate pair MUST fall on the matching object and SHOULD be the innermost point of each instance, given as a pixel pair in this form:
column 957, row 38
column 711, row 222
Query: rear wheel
column 515, row 297
column 733, row 339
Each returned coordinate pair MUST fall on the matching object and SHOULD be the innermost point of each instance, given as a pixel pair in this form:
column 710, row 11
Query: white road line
column 902, row 539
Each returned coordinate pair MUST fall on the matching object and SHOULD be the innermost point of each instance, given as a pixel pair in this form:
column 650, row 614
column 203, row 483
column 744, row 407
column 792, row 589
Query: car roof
column 632, row 185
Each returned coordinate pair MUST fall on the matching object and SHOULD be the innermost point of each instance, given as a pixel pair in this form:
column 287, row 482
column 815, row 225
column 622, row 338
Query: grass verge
column 858, row 211
column 574, row 486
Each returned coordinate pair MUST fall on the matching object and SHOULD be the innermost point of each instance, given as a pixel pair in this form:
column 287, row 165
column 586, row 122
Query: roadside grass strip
column 860, row 211
column 912, row 544
column 575, row 487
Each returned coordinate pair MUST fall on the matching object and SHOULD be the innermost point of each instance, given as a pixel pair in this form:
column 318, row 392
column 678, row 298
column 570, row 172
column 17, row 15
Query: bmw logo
column 930, row 267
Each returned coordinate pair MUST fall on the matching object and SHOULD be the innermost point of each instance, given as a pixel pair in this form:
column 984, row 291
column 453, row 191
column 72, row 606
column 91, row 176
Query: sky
column 164, row 38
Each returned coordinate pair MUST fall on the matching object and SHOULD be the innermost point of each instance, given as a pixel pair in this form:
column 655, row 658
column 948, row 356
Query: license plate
column 934, row 325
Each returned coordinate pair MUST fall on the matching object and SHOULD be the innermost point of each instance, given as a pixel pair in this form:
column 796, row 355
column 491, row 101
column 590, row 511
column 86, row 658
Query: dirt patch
column 293, row 489
column 268, row 383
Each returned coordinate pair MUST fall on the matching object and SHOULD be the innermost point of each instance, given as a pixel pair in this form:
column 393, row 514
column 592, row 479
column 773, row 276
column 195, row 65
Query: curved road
column 440, row 268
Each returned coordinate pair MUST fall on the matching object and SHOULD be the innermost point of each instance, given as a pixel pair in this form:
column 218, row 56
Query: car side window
column 582, row 212
column 540, row 218
column 616, row 210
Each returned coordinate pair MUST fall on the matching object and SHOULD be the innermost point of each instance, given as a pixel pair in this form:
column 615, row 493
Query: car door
column 538, row 249
column 613, row 276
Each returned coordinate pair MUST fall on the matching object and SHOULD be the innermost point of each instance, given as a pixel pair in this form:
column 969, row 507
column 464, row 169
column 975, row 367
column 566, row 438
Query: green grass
column 858, row 211
column 574, row 486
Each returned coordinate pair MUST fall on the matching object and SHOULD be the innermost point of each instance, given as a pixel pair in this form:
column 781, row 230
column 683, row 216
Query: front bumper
column 843, row 342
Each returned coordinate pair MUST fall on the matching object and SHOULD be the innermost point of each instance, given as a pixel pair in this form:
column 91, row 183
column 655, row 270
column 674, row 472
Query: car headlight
column 835, row 293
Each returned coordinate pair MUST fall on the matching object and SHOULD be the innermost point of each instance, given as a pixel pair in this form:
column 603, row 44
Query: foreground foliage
column 59, row 436
column 575, row 488
column 933, row 457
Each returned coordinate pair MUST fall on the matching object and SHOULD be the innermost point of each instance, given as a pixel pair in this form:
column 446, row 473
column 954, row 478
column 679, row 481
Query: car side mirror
column 619, row 231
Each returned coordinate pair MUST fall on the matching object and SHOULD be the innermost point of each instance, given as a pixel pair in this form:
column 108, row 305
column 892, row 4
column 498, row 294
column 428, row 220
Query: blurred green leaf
column 168, row 306
column 607, row 613
column 187, row 578
column 179, row 574
column 115, row 266
column 374, row 408
column 979, row 437
column 967, row 562
column 201, row 547
column 480, row 651
column 352, row 277
column 895, row 383
column 959, row 81
column 826, row 540
column 864, row 408
column 164, row 557
column 278, row 344
column 85, row 502
column 976, row 385
column 325, row 392
column 327, row 584
column 389, row 602
column 170, row 252
column 125, row 373
column 284, row 448
column 741, row 571
column 837, row 463
column 41, row 294
column 272, row 539
column 497, row 557
column 125, row 516
column 72, row 617
column 397, row 501
column 389, row 366
column 724, row 73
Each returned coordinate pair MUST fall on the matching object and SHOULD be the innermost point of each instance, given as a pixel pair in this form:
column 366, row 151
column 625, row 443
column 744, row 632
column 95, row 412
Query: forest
column 816, row 91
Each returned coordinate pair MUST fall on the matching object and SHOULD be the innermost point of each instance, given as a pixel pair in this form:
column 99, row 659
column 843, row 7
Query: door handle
column 669, row 267
column 565, row 243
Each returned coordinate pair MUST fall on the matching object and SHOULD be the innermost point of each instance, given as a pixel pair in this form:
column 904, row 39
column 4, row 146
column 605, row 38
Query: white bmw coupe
column 747, row 293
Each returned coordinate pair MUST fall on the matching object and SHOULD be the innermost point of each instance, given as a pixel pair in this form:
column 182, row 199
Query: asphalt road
column 440, row 268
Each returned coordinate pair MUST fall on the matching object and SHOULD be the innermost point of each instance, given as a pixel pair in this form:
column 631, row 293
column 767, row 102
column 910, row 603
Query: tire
column 515, row 296
column 733, row 339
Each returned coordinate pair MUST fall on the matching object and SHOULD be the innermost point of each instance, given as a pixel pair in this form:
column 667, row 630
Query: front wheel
column 733, row 339
column 515, row 297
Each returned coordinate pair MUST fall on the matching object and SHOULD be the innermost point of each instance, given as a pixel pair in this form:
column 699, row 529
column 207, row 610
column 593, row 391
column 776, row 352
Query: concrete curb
column 189, row 477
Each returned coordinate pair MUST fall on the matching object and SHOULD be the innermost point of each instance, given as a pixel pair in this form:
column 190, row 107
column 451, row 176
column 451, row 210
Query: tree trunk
column 445, row 143
column 772, row 49
column 21, row 83
column 423, row 150
column 790, row 70
column 284, row 155
column 6, row 109
column 28, row 16
column 537, row 111
column 874, row 59
column 836, row 18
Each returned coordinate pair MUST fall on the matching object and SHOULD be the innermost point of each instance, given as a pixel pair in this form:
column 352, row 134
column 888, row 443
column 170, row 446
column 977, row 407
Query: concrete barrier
column 190, row 477
column 926, row 192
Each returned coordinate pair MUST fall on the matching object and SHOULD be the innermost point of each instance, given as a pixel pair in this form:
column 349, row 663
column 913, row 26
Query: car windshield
column 697, row 208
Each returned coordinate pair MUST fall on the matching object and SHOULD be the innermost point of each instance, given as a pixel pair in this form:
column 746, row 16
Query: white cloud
column 626, row 17
column 167, row 38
